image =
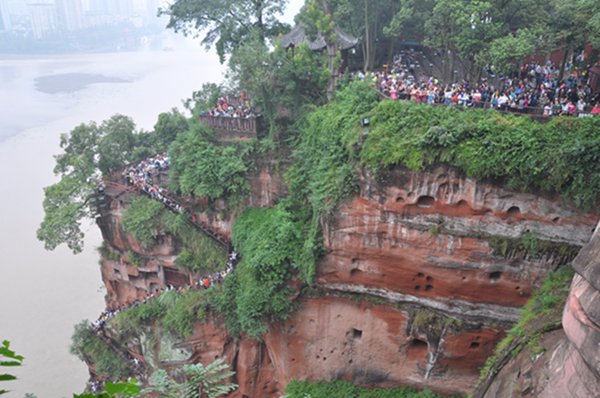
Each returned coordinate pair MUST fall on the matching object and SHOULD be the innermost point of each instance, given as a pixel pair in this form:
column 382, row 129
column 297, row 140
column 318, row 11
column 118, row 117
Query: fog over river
column 43, row 294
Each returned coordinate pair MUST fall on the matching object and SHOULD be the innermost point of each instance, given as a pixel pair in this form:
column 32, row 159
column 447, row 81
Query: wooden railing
column 250, row 125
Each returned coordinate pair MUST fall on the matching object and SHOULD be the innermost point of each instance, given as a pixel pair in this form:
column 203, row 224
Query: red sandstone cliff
column 569, row 366
column 420, row 280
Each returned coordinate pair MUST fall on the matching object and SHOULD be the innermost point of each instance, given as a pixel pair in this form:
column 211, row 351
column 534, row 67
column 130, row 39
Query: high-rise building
column 42, row 17
column 14, row 13
column 2, row 22
column 69, row 14
column 120, row 8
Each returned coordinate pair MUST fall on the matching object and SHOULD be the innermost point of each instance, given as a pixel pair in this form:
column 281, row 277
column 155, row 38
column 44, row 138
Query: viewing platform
column 235, row 129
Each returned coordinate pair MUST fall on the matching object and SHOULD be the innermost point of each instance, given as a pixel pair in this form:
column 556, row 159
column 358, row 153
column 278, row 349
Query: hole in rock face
column 356, row 333
column 350, row 361
column 518, row 288
column 428, row 288
column 495, row 276
column 420, row 275
column 556, row 219
column 474, row 345
column 418, row 287
column 429, row 279
column 355, row 272
column 354, row 260
column 425, row 201
column 399, row 199
column 418, row 343
column 513, row 211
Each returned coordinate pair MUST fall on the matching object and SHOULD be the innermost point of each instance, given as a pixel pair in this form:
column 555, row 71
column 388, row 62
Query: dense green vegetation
column 558, row 157
column 147, row 220
column 172, row 312
column 206, row 169
column 271, row 245
column 90, row 348
column 541, row 313
column 344, row 389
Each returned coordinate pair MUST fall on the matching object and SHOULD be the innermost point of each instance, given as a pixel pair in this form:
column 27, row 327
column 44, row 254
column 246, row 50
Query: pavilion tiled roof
column 299, row 36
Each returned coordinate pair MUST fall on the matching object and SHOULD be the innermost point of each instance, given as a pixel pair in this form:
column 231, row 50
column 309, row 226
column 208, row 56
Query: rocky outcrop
column 569, row 365
column 423, row 273
column 448, row 242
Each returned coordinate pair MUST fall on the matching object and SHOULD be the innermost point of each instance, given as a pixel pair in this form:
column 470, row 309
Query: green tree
column 226, row 26
column 206, row 169
column 205, row 98
column 574, row 24
column 199, row 381
column 88, row 151
column 168, row 125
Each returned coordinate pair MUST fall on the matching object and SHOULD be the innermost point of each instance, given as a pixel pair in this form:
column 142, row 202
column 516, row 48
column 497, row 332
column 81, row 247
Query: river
column 44, row 294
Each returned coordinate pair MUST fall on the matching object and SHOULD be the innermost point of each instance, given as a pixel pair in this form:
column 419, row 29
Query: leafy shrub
column 204, row 169
column 200, row 253
column 542, row 311
column 560, row 156
column 89, row 347
column 344, row 389
column 182, row 311
column 142, row 220
column 146, row 219
column 270, row 242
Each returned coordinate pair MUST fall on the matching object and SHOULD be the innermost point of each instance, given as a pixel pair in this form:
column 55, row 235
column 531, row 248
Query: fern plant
column 199, row 381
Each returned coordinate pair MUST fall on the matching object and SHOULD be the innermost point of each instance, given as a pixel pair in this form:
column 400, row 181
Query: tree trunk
column 367, row 54
column 331, row 43
column 561, row 73
column 374, row 45
column 451, row 64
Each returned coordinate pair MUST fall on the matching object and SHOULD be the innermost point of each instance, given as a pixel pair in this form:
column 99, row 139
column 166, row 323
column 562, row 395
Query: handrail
column 235, row 124
column 535, row 113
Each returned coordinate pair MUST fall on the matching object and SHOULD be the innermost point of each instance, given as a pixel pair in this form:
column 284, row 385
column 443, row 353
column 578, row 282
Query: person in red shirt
column 596, row 109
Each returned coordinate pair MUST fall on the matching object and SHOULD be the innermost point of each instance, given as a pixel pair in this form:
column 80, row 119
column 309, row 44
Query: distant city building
column 114, row 8
column 36, row 18
column 14, row 14
column 69, row 14
column 43, row 17
column 3, row 22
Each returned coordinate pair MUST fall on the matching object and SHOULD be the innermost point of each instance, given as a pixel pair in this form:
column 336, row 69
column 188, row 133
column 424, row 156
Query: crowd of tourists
column 203, row 282
column 535, row 88
column 144, row 176
column 234, row 107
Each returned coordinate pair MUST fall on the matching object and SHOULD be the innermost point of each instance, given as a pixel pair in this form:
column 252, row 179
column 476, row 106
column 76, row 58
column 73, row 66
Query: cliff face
column 423, row 273
column 449, row 243
column 569, row 366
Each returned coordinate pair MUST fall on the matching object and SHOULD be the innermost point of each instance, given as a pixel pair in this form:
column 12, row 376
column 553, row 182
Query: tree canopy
column 226, row 26
column 468, row 34
column 89, row 151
